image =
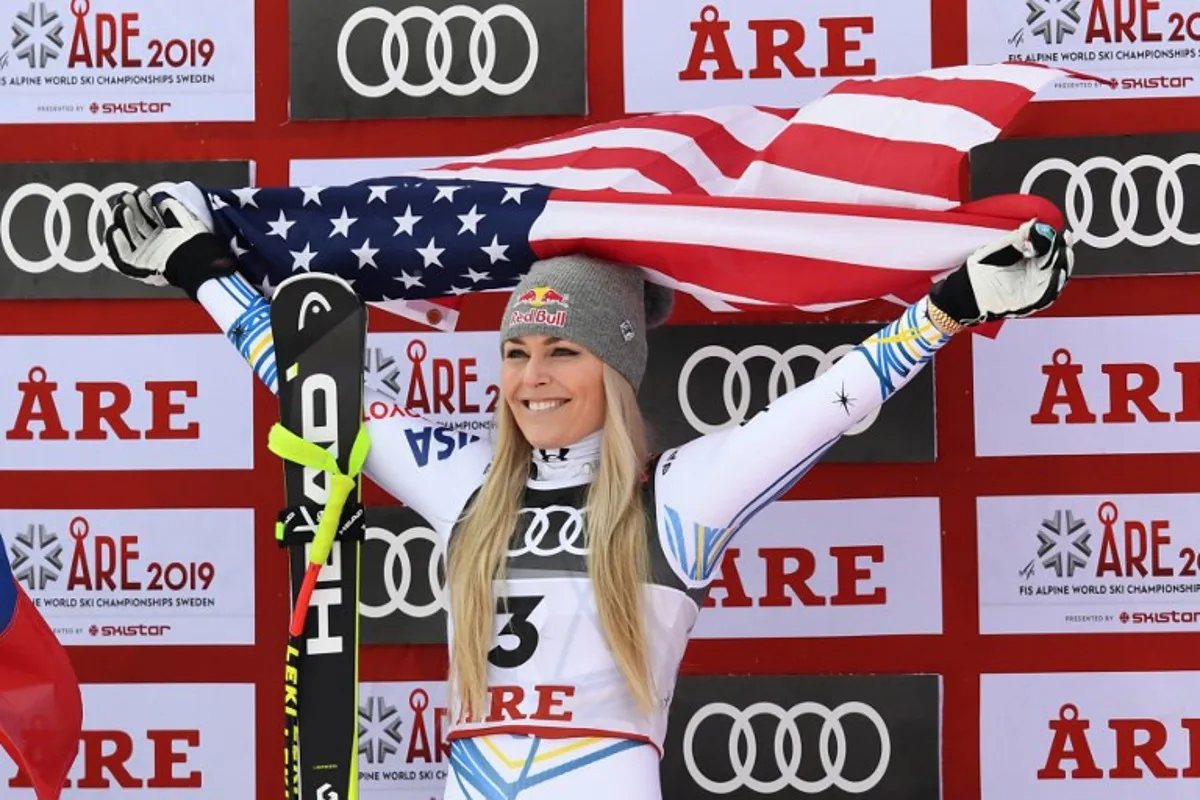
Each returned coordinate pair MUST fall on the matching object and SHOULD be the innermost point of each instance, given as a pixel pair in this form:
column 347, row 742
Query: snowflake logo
column 1063, row 543
column 36, row 557
column 1052, row 20
column 382, row 374
column 378, row 730
column 37, row 35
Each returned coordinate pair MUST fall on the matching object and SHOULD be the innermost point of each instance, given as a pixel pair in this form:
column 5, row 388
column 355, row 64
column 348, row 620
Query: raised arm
column 709, row 488
column 430, row 468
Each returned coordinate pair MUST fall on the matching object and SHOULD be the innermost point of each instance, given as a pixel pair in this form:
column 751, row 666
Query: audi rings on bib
column 780, row 381
column 787, row 732
column 1079, row 219
column 398, row 552
column 570, row 534
column 438, row 41
column 99, row 217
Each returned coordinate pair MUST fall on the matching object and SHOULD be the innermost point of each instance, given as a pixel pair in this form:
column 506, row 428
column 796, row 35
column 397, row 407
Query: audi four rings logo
column 1123, row 200
column 396, row 49
column 570, row 540
column 737, row 380
column 831, row 748
column 570, row 534
column 57, row 225
column 397, row 554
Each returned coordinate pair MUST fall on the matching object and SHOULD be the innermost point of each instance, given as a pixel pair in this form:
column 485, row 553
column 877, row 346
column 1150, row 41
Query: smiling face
column 554, row 388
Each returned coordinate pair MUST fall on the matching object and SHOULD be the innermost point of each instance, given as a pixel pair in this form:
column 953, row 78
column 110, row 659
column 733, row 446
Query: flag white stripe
column 626, row 180
column 1029, row 77
column 710, row 298
column 763, row 179
column 753, row 128
column 885, row 243
column 723, row 302
column 900, row 119
column 678, row 147
column 418, row 311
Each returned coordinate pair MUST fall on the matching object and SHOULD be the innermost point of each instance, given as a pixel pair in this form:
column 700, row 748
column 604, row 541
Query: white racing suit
column 560, row 722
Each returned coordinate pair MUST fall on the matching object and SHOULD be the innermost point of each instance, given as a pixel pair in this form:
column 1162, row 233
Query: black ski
column 319, row 327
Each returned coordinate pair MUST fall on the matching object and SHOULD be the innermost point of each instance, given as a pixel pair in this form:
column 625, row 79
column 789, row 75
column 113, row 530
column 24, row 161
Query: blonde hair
column 618, row 559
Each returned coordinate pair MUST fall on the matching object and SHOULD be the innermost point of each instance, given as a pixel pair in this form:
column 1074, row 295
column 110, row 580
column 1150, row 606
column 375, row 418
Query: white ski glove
column 164, row 244
column 1020, row 273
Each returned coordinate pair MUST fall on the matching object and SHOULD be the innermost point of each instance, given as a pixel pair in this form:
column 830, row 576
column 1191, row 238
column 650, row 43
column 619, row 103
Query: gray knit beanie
column 605, row 307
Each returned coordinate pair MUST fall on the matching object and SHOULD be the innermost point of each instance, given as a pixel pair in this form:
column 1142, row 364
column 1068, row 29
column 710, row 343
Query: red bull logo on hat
column 542, row 296
column 538, row 316
column 537, row 300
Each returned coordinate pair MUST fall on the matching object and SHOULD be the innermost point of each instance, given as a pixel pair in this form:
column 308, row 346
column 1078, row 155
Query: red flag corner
column 41, row 708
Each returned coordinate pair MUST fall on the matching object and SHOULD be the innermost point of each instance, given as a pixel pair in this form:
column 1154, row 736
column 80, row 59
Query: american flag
column 857, row 196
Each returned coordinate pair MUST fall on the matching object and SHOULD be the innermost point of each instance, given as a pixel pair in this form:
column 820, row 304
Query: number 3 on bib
column 517, row 608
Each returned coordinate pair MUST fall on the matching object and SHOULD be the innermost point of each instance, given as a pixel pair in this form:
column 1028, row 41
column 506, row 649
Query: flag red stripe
column 650, row 163
column 782, row 113
column 727, row 152
column 782, row 279
column 916, row 167
column 996, row 101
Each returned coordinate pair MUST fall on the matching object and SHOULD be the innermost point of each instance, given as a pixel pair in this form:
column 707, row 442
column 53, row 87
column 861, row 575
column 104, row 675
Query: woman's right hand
column 164, row 244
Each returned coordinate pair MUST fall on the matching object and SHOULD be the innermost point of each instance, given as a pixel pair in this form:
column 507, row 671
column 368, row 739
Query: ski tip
column 312, row 277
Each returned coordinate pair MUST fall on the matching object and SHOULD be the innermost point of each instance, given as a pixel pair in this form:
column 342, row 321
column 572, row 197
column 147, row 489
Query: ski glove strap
column 290, row 447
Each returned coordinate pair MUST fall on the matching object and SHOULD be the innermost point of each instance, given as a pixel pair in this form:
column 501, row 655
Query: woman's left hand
column 1020, row 273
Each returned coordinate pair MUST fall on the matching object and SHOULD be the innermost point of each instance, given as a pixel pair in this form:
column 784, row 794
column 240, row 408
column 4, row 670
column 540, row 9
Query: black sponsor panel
column 402, row 592
column 700, row 378
column 443, row 58
column 1133, row 201
column 53, row 216
column 821, row 737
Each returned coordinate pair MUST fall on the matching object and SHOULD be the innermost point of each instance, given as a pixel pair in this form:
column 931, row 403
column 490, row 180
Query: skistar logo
column 1154, row 82
column 105, row 631
column 130, row 107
